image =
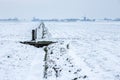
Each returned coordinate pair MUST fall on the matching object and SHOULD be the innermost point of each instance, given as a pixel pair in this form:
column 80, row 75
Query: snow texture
column 85, row 51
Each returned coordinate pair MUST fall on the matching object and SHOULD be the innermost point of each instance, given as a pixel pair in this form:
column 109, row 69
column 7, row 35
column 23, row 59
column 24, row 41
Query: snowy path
column 37, row 66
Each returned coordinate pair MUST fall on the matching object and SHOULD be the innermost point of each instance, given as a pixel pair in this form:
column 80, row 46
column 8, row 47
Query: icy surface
column 92, row 47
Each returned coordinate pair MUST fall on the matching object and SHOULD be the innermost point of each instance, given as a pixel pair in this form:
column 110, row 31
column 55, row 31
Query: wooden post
column 33, row 35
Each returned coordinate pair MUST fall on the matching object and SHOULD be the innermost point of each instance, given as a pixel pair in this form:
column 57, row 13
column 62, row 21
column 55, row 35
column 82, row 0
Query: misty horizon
column 47, row 9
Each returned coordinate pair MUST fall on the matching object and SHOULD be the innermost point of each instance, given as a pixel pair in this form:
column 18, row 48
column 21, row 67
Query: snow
column 91, row 47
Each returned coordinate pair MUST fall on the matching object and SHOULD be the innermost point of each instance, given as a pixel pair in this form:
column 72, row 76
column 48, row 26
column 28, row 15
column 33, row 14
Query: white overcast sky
column 59, row 8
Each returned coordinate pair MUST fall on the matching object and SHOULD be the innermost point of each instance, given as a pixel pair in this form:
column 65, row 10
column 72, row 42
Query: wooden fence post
column 33, row 35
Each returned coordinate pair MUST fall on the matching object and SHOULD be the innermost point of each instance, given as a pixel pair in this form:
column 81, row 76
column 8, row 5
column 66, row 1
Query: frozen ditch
column 55, row 63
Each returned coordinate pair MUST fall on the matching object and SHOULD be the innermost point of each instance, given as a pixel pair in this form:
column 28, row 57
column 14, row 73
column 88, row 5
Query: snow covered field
column 94, row 48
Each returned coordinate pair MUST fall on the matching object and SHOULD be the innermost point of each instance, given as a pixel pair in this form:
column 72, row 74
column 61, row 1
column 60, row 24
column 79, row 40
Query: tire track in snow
column 37, row 65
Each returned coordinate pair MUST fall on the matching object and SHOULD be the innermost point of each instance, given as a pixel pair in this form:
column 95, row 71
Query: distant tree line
column 10, row 19
column 63, row 20
column 74, row 19
column 35, row 19
column 109, row 19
